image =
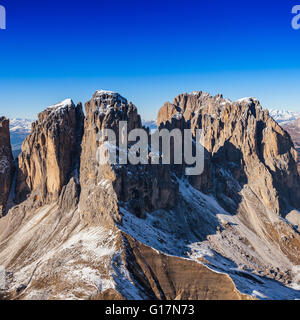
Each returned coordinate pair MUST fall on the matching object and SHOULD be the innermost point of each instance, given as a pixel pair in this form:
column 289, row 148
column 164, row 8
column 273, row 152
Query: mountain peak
column 106, row 96
column 248, row 100
column 61, row 105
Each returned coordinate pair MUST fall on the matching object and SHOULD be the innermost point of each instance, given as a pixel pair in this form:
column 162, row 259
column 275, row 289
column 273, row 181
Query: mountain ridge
column 83, row 230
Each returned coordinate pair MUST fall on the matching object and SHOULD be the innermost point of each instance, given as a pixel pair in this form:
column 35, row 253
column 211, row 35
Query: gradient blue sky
column 148, row 50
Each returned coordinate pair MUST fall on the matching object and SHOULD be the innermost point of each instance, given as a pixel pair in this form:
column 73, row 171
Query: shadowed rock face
column 104, row 187
column 243, row 135
column 104, row 111
column 6, row 163
column 50, row 154
column 293, row 128
column 163, row 276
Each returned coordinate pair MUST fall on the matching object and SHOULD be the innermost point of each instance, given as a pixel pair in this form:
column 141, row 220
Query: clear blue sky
column 148, row 50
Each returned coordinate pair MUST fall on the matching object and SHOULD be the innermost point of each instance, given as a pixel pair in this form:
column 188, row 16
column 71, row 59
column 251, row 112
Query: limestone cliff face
column 244, row 139
column 104, row 111
column 6, row 163
column 104, row 187
column 50, row 154
column 293, row 128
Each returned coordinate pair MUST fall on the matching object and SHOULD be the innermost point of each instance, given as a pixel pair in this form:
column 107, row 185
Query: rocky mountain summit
column 243, row 135
column 85, row 230
column 50, row 153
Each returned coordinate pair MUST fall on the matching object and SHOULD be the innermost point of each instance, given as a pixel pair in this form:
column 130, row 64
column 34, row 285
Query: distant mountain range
column 151, row 124
column 19, row 129
column 284, row 116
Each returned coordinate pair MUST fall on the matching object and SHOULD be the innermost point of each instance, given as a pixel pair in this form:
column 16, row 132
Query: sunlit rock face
column 50, row 154
column 243, row 136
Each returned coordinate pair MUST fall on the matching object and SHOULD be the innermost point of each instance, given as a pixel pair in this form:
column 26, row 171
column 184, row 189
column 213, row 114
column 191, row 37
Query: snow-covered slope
column 20, row 125
column 202, row 231
column 284, row 116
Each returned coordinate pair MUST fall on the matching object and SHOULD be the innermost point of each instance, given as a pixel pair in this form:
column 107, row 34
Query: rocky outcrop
column 104, row 111
column 104, row 187
column 242, row 138
column 162, row 278
column 293, row 128
column 50, row 154
column 6, row 164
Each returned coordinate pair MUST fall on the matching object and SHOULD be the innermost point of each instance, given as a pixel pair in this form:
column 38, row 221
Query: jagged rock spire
column 6, row 163
column 50, row 153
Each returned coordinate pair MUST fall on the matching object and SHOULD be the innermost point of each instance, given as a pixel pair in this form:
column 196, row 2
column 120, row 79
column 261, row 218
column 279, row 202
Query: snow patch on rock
column 106, row 96
column 61, row 105
column 247, row 100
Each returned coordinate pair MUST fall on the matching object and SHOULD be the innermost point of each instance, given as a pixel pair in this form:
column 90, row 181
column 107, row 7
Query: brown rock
column 166, row 112
column 242, row 138
column 104, row 111
column 104, row 187
column 293, row 128
column 6, row 164
column 50, row 154
column 172, row 278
